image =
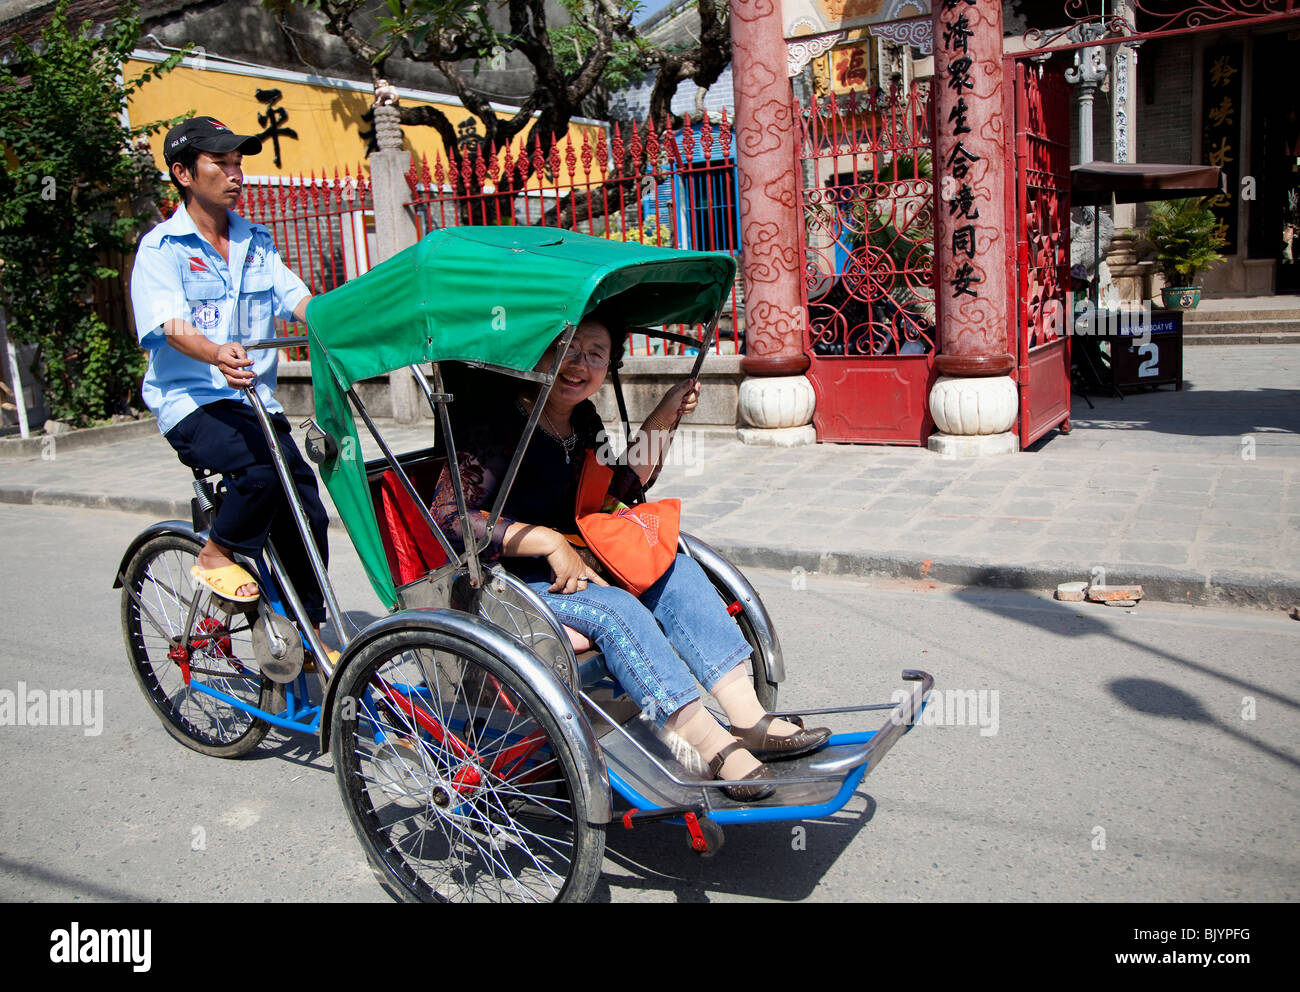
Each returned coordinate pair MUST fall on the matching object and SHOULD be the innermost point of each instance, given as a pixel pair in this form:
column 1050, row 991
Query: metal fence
column 324, row 228
column 658, row 186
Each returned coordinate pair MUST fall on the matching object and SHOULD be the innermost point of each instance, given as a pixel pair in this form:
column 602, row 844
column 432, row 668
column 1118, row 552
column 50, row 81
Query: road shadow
column 1149, row 697
column 1160, row 699
column 783, row 861
column 75, row 887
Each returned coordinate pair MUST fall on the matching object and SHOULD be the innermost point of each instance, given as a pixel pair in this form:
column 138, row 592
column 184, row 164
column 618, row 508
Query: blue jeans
column 662, row 647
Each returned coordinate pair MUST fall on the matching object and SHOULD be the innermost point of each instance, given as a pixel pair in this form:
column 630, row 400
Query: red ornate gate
column 1038, row 199
column 867, row 242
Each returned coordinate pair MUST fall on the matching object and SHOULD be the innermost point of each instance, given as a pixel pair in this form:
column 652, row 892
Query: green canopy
column 495, row 295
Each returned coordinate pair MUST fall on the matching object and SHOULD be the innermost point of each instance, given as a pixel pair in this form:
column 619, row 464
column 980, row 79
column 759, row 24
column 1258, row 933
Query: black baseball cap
column 207, row 134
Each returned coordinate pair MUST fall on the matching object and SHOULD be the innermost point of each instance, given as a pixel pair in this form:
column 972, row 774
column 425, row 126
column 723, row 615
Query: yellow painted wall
column 327, row 120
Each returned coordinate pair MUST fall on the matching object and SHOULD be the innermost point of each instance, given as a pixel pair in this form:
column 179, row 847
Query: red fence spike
column 634, row 150
column 507, row 167
column 570, row 159
column 602, row 151
column 651, row 145
column 586, row 156
column 617, row 152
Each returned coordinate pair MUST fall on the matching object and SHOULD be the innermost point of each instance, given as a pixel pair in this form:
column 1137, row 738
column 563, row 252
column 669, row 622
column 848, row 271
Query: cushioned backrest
column 411, row 548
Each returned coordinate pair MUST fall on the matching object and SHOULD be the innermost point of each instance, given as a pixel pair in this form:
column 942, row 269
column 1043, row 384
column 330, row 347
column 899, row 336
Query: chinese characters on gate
column 955, row 184
column 1219, row 128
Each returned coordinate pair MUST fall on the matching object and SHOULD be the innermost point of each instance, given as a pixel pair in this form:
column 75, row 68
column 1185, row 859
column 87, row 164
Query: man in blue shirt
column 205, row 284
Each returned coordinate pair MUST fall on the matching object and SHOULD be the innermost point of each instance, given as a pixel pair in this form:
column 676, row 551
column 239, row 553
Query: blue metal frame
column 305, row 719
column 767, row 814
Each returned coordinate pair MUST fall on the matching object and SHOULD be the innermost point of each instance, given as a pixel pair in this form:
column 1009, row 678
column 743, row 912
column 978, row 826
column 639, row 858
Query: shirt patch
column 206, row 316
column 197, row 264
column 255, row 256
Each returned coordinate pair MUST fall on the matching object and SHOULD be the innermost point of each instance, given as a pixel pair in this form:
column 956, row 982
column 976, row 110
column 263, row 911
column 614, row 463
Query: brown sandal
column 742, row 793
column 768, row 747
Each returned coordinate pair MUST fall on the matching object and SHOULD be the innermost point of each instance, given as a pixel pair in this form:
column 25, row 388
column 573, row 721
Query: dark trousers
column 226, row 437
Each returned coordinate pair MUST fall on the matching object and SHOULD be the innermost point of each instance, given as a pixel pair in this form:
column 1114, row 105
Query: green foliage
column 460, row 25
column 72, row 192
column 571, row 43
column 1186, row 237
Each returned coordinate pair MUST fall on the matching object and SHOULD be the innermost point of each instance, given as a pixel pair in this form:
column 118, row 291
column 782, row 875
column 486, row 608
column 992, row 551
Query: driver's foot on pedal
column 213, row 557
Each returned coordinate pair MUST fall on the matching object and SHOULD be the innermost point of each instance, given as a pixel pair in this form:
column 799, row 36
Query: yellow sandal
column 225, row 582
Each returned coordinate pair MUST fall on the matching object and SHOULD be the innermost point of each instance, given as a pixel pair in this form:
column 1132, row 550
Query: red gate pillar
column 974, row 401
column 776, row 400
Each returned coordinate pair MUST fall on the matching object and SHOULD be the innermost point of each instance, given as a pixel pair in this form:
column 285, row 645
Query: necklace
column 567, row 443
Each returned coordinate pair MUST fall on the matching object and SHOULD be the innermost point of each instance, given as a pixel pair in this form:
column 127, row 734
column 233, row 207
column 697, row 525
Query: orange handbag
column 636, row 544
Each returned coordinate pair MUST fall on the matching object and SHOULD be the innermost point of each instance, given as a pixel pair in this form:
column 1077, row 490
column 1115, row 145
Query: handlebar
column 292, row 342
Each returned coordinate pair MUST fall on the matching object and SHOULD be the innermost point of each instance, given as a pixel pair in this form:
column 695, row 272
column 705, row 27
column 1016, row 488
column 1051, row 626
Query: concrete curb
column 164, row 509
column 1159, row 584
column 89, row 437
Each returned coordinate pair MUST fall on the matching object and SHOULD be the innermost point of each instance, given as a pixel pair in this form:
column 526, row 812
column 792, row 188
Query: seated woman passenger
column 678, row 635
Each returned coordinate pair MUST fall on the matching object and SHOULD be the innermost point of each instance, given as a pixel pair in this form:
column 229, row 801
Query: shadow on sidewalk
column 1193, row 412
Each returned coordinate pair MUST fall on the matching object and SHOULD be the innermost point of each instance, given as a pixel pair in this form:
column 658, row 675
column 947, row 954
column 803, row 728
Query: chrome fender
column 594, row 778
column 734, row 581
column 181, row 528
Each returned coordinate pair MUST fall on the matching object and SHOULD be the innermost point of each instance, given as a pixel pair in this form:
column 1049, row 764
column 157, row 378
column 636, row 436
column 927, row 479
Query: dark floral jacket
column 546, row 487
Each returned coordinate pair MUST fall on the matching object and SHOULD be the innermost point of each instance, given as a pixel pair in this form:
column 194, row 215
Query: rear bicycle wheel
column 457, row 778
column 219, row 652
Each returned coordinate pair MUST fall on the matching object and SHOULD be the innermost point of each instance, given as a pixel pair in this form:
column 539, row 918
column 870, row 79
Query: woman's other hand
column 570, row 572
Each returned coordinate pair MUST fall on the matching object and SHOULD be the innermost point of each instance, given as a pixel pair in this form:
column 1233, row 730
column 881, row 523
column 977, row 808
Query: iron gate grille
column 1040, row 198
column 868, row 202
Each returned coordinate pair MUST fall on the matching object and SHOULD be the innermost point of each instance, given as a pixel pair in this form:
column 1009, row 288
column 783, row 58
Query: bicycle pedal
column 277, row 646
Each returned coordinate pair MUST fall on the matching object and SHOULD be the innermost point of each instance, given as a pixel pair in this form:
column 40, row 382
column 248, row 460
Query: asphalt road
column 1107, row 754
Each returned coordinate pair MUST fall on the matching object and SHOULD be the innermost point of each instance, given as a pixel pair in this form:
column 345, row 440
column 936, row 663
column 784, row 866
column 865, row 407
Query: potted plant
column 1185, row 236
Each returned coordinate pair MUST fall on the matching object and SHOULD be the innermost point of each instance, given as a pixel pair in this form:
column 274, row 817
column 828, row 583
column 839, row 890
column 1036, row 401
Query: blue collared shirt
column 178, row 275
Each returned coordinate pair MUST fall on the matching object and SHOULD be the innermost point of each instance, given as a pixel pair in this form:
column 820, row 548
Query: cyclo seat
column 413, row 552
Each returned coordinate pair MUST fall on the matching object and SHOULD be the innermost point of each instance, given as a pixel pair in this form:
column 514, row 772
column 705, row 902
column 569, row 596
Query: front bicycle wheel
column 156, row 599
column 457, row 778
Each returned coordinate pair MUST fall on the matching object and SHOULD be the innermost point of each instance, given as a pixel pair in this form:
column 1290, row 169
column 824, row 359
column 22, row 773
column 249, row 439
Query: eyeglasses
column 594, row 361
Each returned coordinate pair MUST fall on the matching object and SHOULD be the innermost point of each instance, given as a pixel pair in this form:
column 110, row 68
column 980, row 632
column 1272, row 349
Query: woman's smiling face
column 582, row 372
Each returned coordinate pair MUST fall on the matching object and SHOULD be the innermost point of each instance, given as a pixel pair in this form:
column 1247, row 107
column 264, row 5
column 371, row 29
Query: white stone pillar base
column 974, row 416
column 973, row 445
column 778, row 437
column 777, row 411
